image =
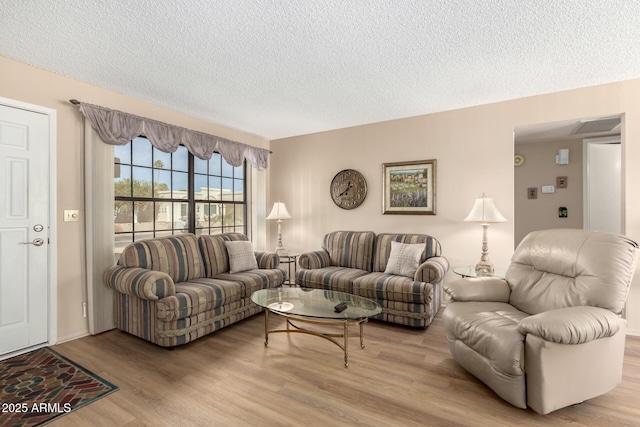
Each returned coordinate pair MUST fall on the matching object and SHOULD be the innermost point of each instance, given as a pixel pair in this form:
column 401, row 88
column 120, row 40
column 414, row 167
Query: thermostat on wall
column 546, row 189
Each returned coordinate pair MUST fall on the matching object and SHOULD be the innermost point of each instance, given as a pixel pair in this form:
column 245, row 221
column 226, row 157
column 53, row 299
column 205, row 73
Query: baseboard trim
column 71, row 338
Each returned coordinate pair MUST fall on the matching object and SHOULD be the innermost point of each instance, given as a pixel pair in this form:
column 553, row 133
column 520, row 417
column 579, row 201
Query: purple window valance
column 118, row 128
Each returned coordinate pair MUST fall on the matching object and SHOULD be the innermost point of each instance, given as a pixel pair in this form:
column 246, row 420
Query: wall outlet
column 84, row 309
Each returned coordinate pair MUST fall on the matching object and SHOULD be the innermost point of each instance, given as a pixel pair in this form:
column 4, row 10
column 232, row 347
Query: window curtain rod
column 118, row 128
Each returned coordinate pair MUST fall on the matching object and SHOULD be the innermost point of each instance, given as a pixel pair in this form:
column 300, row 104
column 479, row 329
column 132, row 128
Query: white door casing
column 26, row 314
column 603, row 203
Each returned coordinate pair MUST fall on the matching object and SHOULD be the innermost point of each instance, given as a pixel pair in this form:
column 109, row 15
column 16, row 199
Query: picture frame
column 409, row 188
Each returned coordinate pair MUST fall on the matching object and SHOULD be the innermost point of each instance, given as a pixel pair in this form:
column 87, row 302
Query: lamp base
column 279, row 250
column 484, row 268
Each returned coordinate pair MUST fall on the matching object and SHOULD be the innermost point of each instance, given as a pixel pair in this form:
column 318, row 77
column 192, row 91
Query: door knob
column 36, row 242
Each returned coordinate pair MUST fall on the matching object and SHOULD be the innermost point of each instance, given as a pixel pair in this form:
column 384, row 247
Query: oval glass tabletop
column 317, row 303
column 470, row 271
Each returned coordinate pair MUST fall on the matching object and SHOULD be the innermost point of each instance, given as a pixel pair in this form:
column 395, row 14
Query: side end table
column 291, row 259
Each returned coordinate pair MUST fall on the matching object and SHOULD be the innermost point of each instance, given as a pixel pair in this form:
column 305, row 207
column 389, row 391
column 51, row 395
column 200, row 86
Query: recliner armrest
column 140, row 282
column 487, row 289
column 572, row 325
column 315, row 259
column 432, row 270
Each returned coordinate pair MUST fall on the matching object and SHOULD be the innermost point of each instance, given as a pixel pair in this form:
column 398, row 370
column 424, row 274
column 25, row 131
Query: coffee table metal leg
column 346, row 344
column 266, row 327
column 334, row 338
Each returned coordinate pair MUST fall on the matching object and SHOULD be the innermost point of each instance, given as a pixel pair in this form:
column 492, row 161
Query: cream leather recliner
column 551, row 334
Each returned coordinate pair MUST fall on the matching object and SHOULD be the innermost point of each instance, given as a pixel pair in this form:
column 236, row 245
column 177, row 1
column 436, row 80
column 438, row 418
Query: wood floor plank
column 403, row 377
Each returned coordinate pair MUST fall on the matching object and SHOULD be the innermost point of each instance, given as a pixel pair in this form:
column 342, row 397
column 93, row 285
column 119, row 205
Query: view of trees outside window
column 159, row 194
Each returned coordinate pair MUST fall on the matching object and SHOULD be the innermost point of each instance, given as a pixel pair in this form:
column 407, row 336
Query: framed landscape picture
column 409, row 188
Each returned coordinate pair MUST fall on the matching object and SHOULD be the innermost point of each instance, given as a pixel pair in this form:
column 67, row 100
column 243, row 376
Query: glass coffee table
column 316, row 307
column 470, row 271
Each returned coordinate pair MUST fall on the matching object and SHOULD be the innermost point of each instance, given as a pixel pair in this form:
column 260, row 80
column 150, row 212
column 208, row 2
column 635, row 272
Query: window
column 159, row 194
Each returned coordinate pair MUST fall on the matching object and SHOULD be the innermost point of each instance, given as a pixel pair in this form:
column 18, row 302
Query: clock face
column 348, row 189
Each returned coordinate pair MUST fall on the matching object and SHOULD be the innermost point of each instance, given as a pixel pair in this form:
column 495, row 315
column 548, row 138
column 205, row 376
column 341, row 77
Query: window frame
column 239, row 223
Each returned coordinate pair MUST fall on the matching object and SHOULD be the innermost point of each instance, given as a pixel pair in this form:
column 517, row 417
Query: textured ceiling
column 284, row 68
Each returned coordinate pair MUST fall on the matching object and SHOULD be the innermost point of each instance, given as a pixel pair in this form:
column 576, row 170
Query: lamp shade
column 484, row 210
column 279, row 211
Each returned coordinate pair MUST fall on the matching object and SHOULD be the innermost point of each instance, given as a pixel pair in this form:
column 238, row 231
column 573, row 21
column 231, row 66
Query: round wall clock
column 348, row 189
column 518, row 160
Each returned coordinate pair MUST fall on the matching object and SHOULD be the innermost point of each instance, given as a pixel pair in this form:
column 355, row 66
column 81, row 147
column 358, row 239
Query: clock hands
column 348, row 189
column 344, row 193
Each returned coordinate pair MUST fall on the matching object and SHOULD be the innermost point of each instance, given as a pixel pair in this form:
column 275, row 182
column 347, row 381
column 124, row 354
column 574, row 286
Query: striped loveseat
column 173, row 290
column 355, row 262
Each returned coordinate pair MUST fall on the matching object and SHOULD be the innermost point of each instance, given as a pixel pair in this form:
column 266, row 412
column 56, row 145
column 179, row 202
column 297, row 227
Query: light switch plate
column 71, row 215
column 546, row 189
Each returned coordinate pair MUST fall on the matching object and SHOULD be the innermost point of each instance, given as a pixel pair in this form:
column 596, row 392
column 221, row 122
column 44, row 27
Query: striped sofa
column 355, row 262
column 173, row 290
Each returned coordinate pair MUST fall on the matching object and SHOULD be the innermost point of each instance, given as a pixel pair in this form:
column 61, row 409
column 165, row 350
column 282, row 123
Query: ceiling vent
column 597, row 126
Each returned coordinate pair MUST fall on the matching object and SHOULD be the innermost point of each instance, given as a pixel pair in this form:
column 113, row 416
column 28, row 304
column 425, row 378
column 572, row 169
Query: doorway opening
column 551, row 178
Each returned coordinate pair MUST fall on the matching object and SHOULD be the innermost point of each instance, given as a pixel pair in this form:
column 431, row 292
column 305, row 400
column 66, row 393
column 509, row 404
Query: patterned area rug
column 42, row 385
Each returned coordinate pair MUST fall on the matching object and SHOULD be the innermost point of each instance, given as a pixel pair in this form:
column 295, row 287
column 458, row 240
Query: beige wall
column 31, row 85
column 474, row 148
column 540, row 169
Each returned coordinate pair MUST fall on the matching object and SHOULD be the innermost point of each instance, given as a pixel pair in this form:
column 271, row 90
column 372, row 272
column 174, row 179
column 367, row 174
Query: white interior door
column 603, row 185
column 24, row 228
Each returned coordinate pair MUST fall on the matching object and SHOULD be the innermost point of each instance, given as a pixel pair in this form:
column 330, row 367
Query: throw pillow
column 241, row 256
column 404, row 258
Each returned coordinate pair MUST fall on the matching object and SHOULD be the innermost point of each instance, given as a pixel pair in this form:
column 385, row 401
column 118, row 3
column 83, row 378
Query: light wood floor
column 403, row 377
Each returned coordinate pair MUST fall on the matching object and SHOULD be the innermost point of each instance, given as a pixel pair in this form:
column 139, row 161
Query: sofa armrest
column 140, row 282
column 572, row 325
column 432, row 270
column 487, row 289
column 267, row 260
column 315, row 259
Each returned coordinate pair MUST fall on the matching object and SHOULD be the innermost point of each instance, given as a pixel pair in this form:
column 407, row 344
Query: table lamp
column 485, row 212
column 279, row 212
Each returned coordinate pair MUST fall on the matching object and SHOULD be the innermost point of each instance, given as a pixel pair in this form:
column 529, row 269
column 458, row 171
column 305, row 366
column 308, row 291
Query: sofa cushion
column 404, row 259
column 241, row 256
column 214, row 251
column 253, row 280
column 382, row 247
column 332, row 278
column 178, row 256
column 391, row 287
column 353, row 249
column 198, row 296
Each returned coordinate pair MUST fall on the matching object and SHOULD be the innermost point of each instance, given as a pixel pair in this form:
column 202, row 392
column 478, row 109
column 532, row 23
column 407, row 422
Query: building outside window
column 159, row 194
